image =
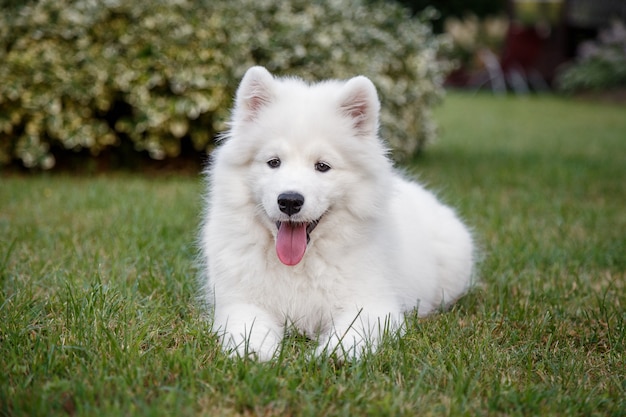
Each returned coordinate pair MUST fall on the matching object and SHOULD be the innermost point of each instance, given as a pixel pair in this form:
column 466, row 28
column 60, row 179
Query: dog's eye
column 322, row 167
column 273, row 163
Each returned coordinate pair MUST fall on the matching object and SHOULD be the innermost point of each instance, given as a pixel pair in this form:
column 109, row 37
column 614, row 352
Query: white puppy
column 309, row 227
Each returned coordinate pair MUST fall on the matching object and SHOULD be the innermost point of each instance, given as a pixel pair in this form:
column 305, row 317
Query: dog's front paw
column 257, row 346
column 247, row 331
column 255, row 341
column 352, row 338
column 345, row 346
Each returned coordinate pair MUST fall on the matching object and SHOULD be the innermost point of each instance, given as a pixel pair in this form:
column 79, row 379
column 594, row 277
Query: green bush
column 89, row 75
column 458, row 9
column 600, row 65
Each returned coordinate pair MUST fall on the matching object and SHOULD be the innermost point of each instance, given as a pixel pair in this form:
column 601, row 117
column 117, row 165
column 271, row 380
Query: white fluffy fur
column 384, row 245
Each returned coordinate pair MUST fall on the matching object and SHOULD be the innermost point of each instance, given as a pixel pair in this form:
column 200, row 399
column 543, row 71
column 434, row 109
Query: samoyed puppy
column 309, row 228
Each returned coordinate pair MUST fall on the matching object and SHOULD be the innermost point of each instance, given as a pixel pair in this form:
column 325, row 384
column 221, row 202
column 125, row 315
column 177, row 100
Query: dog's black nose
column 290, row 202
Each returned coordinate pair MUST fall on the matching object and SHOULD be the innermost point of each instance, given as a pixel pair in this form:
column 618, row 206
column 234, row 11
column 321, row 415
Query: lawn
column 99, row 317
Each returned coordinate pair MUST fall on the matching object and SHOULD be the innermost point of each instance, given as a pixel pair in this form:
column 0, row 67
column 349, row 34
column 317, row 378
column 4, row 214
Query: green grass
column 98, row 314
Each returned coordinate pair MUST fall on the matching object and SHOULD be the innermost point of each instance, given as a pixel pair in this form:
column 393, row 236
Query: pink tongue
column 291, row 242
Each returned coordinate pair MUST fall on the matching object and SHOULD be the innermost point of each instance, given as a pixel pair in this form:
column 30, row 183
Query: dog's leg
column 247, row 331
column 356, row 333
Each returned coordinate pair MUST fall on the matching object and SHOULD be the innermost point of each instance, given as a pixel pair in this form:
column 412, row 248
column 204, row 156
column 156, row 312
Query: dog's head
column 308, row 151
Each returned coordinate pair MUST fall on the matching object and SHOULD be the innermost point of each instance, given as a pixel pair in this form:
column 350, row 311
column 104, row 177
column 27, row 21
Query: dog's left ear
column 255, row 92
column 359, row 102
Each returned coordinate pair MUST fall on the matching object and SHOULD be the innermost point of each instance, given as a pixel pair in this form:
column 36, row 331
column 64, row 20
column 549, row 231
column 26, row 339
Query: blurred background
column 91, row 86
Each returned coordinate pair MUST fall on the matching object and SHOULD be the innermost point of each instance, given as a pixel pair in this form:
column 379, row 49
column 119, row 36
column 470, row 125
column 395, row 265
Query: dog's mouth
column 292, row 239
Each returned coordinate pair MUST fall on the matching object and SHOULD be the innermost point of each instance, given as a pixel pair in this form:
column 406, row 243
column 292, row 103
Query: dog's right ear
column 255, row 92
